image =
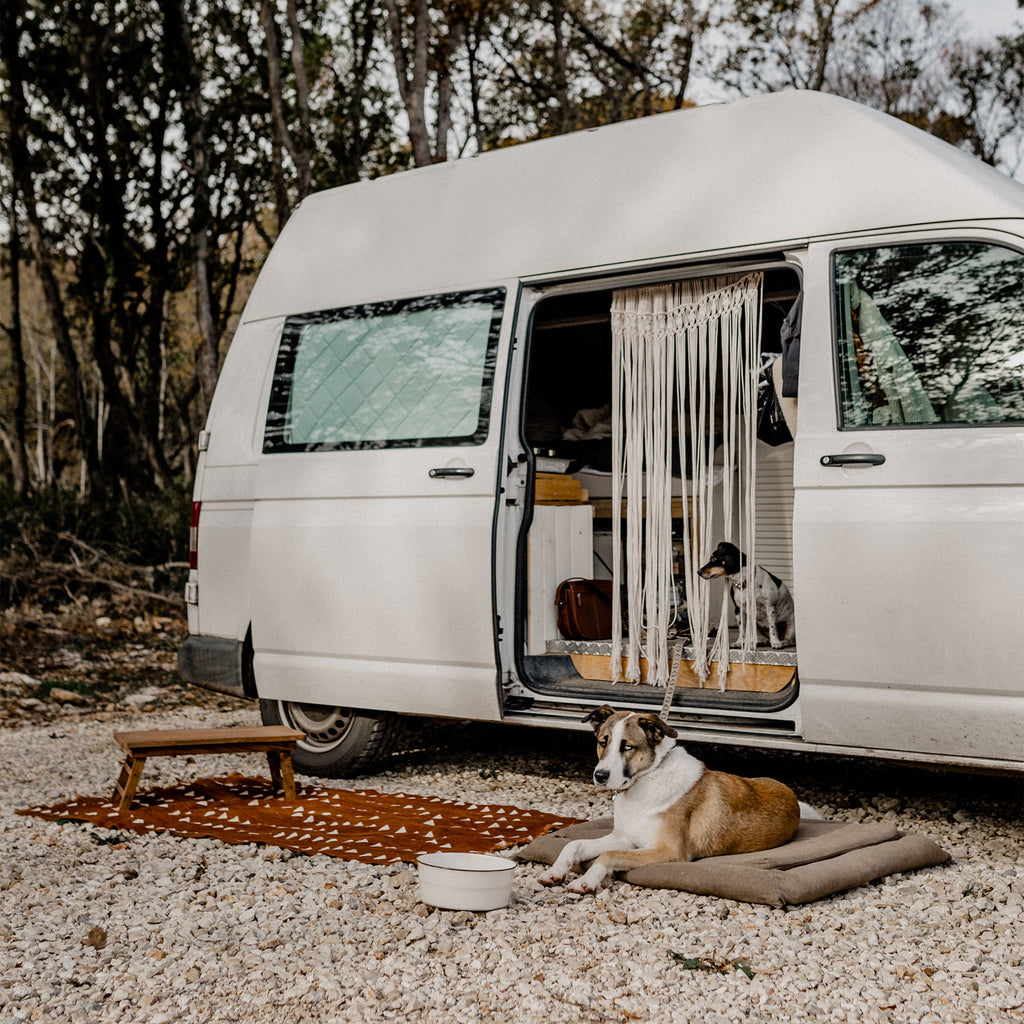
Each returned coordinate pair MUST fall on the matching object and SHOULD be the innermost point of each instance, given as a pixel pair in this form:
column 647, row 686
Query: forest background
column 152, row 150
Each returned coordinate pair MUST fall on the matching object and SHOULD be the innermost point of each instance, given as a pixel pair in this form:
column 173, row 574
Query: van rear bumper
column 214, row 662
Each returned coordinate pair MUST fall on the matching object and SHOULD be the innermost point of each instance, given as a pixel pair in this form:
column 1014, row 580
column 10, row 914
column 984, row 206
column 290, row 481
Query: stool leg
column 281, row 772
column 287, row 776
column 274, row 761
column 128, row 781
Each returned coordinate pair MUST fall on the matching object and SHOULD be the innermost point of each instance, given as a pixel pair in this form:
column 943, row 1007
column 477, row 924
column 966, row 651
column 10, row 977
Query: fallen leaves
column 712, row 964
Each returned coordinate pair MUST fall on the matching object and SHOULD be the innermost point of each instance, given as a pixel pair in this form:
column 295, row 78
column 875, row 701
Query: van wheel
column 340, row 742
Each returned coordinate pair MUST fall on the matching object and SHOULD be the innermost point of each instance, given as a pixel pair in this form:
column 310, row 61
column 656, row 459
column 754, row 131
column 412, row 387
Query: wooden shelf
column 603, row 508
column 558, row 489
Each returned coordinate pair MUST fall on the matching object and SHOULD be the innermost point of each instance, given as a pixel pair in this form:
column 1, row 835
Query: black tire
column 340, row 743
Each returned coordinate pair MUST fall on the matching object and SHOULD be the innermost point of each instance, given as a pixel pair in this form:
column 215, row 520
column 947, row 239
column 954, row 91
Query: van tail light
column 193, row 537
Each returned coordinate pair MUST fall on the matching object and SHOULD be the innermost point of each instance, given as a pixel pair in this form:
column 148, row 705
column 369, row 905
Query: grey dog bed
column 824, row 857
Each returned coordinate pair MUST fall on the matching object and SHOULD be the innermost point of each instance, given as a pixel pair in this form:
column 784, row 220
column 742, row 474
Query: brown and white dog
column 668, row 806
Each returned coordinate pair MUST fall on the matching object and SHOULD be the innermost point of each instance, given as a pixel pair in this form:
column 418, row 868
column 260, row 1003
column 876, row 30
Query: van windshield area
column 580, row 529
column 930, row 335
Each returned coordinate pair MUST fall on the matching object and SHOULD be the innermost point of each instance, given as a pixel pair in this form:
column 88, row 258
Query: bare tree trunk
column 685, row 63
column 11, row 12
column 561, row 68
column 413, row 75
column 40, row 444
column 363, row 33
column 413, row 69
column 302, row 141
column 824, row 16
column 16, row 443
column 208, row 353
column 474, row 40
column 107, row 274
column 298, row 144
column 188, row 83
column 446, row 54
column 277, row 118
column 151, row 409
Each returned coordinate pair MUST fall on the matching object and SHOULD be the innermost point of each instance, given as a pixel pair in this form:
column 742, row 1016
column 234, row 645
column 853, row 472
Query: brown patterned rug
column 363, row 825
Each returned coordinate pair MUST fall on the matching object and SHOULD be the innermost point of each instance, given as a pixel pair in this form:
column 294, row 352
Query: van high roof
column 758, row 174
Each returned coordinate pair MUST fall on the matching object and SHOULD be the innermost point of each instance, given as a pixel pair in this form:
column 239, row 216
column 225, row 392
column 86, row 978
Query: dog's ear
column 656, row 728
column 599, row 716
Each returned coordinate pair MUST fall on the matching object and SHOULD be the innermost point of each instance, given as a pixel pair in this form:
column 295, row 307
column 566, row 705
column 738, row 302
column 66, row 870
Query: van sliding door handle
column 853, row 459
column 447, row 471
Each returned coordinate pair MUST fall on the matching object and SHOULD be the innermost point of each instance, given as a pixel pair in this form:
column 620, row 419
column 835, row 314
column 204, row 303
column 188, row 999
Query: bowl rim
column 496, row 863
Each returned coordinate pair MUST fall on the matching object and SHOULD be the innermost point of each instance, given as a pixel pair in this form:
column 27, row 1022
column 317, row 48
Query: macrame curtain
column 680, row 340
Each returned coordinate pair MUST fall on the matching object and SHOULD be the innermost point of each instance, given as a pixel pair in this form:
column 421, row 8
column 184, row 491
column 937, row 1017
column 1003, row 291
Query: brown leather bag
column 584, row 609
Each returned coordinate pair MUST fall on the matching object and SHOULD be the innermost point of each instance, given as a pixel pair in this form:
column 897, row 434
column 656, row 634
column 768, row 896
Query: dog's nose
column 601, row 775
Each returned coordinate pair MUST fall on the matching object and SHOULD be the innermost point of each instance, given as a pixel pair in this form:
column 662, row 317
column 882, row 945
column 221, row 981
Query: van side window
column 930, row 334
column 412, row 373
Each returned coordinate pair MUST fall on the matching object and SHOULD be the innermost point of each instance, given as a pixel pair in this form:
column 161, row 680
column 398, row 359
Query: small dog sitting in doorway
column 772, row 600
column 668, row 806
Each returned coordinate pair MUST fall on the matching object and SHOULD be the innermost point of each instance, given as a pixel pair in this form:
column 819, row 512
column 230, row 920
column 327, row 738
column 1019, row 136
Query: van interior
column 567, row 424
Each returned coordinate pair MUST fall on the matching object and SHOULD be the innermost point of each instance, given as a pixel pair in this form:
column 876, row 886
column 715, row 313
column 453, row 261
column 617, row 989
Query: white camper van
column 789, row 322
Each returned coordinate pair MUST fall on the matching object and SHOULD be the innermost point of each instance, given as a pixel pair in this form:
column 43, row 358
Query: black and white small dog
column 772, row 599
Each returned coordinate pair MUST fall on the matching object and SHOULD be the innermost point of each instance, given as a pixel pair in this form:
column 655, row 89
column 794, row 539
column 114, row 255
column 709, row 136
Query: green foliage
column 137, row 530
column 118, row 99
column 109, row 838
column 57, row 549
column 122, row 100
column 712, row 964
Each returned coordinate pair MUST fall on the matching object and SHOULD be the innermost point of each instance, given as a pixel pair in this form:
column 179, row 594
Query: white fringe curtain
column 684, row 336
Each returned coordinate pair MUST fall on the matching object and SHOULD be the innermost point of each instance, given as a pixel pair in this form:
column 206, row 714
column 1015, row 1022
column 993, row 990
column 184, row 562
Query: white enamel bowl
column 465, row 881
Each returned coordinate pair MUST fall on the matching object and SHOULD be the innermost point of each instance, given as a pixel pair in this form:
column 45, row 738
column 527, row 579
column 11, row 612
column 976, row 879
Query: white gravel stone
column 197, row 931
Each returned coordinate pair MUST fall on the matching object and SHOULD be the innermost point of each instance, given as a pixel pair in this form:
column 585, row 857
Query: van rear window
column 411, row 373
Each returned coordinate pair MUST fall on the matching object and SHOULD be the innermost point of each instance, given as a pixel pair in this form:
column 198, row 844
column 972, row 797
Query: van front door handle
column 853, row 459
column 449, row 471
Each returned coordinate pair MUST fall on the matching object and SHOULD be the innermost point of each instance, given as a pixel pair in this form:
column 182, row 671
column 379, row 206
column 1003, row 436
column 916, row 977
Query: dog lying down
column 772, row 600
column 668, row 806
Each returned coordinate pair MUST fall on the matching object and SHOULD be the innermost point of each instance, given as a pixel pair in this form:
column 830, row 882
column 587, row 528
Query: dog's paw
column 589, row 882
column 550, row 878
column 581, row 886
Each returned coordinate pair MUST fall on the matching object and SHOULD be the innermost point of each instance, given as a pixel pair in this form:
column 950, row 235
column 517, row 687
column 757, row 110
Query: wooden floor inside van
column 759, row 671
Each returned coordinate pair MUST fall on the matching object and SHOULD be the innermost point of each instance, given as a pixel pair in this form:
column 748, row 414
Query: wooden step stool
column 277, row 741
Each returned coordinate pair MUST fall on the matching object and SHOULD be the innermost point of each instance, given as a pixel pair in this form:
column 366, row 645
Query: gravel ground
column 101, row 927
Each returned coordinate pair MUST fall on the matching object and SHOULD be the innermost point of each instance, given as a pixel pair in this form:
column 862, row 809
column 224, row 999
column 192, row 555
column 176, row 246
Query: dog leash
column 673, row 679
